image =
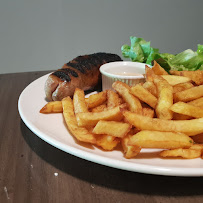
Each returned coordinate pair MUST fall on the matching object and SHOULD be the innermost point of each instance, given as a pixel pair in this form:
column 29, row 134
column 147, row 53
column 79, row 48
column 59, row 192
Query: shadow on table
column 109, row 177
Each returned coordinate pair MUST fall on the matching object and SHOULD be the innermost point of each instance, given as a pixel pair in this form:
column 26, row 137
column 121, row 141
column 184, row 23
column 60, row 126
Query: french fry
column 197, row 146
column 162, row 140
column 107, row 142
column 144, row 95
column 79, row 101
column 148, row 112
column 124, row 90
column 197, row 102
column 184, row 153
column 189, row 94
column 196, row 76
column 95, row 100
column 158, row 70
column 182, row 86
column 165, row 98
column 149, row 74
column 99, row 108
column 187, row 109
column 80, row 133
column 174, row 79
column 151, row 87
column 113, row 128
column 129, row 150
column 188, row 127
column 52, row 107
column 92, row 118
column 113, row 99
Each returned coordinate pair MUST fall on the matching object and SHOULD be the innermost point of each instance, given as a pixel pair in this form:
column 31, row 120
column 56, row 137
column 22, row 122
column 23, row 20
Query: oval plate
column 52, row 129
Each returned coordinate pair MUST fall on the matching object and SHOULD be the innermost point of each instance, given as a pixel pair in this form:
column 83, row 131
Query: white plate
column 51, row 128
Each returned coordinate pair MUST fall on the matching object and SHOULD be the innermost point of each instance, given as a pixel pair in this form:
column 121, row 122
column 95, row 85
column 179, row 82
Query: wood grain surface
column 33, row 171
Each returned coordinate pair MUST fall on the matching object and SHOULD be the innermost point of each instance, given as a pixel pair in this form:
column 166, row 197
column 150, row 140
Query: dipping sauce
column 128, row 72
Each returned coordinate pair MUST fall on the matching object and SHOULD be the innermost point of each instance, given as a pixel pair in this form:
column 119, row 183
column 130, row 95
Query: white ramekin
column 110, row 70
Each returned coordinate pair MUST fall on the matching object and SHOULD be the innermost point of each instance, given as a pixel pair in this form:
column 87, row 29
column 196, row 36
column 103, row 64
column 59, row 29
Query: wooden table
column 33, row 171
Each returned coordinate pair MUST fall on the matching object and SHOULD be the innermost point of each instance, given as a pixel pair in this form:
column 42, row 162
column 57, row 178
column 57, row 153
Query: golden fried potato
column 124, row 91
column 92, row 118
column 79, row 101
column 113, row 99
column 99, row 108
column 174, row 79
column 188, row 127
column 144, row 95
column 146, row 111
column 184, row 153
column 95, row 100
column 158, row 70
column 80, row 133
column 107, row 142
column 151, row 87
column 187, row 109
column 52, row 107
column 197, row 102
column 116, row 129
column 149, row 74
column 182, row 86
column 196, row 76
column 189, row 94
column 165, row 98
column 162, row 140
column 197, row 146
column 129, row 150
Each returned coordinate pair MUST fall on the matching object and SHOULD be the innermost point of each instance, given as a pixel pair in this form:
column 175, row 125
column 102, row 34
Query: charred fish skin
column 83, row 64
column 64, row 74
column 81, row 72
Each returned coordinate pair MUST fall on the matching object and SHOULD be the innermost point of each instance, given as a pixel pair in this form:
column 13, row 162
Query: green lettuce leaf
column 187, row 60
column 141, row 51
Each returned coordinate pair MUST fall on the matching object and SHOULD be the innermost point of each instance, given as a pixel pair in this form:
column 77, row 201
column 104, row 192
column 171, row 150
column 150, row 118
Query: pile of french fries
column 165, row 112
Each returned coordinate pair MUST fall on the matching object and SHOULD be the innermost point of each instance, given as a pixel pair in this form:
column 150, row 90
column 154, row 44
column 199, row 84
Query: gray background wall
column 45, row 34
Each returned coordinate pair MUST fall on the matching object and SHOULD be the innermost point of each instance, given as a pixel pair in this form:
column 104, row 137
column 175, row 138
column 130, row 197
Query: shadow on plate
column 117, row 179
